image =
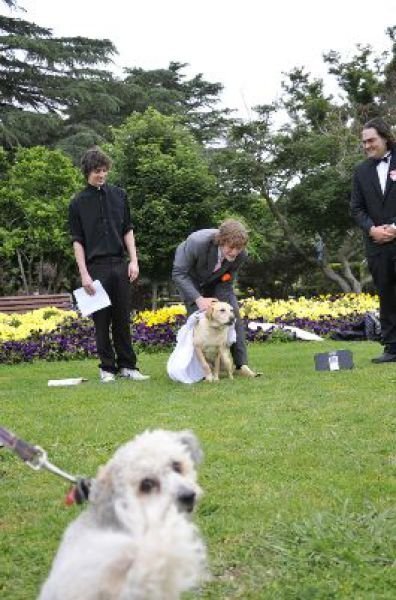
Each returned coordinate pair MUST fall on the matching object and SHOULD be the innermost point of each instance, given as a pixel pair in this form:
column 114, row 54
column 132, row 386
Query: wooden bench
column 21, row 304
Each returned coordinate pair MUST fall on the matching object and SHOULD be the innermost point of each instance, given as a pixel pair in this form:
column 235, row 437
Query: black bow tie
column 383, row 159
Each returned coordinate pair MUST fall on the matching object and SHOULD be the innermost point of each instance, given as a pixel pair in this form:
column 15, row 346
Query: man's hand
column 382, row 234
column 87, row 284
column 204, row 303
column 133, row 270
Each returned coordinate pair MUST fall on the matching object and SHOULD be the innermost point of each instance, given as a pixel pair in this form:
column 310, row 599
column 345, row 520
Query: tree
column 109, row 103
column 302, row 170
column 34, row 197
column 168, row 90
column 361, row 79
column 317, row 152
column 55, row 91
column 169, row 186
column 41, row 76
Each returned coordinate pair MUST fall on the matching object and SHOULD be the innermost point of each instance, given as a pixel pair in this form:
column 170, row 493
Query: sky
column 244, row 44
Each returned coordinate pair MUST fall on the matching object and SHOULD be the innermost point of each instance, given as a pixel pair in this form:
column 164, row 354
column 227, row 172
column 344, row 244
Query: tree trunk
column 348, row 282
column 40, row 274
column 289, row 232
column 347, row 253
column 154, row 295
column 30, row 274
column 325, row 267
column 329, row 272
column 23, row 274
column 356, row 285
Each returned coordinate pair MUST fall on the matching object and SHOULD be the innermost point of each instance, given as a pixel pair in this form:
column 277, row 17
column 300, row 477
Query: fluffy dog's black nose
column 187, row 500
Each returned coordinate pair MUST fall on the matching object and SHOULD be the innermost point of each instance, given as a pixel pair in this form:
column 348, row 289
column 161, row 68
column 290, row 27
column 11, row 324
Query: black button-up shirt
column 99, row 218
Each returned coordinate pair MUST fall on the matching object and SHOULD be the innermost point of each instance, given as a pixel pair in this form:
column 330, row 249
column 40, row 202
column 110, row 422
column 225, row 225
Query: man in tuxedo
column 203, row 270
column 373, row 206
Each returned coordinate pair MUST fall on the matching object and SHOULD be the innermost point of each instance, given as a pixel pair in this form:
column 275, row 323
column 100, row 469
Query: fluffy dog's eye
column 148, row 485
column 177, row 466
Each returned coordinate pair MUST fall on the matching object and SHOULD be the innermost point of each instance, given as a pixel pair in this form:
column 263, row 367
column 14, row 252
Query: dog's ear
column 103, row 491
column 209, row 311
column 189, row 439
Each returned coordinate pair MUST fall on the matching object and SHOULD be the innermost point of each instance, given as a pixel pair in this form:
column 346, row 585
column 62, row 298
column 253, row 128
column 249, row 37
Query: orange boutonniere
column 226, row 277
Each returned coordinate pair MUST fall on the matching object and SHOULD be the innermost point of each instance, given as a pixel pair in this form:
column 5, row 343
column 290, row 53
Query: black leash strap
column 25, row 451
column 36, row 458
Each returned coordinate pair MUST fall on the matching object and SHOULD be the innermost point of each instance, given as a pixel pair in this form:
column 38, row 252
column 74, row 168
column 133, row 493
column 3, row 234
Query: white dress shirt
column 382, row 170
column 220, row 259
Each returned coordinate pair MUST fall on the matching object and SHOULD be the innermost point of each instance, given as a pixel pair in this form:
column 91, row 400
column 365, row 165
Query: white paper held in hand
column 89, row 304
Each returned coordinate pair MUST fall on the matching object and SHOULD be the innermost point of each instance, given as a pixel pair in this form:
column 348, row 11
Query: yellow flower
column 167, row 314
column 20, row 326
column 15, row 326
column 317, row 308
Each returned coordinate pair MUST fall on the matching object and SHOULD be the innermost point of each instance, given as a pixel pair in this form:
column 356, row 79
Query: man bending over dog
column 203, row 270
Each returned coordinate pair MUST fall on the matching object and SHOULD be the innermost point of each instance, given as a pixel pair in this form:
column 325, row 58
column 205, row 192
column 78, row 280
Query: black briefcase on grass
column 334, row 361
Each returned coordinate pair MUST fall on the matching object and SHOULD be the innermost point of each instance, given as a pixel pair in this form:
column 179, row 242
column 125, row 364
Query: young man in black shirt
column 101, row 231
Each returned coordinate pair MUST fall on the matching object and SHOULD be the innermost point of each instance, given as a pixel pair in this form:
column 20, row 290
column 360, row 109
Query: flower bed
column 52, row 334
column 323, row 315
column 20, row 326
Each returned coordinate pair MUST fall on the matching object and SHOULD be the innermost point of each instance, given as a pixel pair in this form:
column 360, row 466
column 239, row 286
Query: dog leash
column 36, row 458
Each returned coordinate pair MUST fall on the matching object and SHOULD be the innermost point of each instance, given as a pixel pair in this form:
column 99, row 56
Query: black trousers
column 382, row 268
column 224, row 292
column 112, row 324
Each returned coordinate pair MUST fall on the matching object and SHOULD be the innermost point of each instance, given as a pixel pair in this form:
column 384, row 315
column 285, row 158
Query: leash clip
column 37, row 460
column 40, row 461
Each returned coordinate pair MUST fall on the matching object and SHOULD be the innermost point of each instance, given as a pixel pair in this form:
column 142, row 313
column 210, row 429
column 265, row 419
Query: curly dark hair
column 383, row 130
column 94, row 158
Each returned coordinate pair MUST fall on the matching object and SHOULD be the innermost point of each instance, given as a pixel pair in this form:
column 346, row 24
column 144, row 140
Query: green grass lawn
column 299, row 472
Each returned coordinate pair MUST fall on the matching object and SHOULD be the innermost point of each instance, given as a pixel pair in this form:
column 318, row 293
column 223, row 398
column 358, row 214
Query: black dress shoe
column 386, row 357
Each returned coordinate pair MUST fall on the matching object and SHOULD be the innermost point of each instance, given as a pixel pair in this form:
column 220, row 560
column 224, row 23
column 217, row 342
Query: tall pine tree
column 41, row 76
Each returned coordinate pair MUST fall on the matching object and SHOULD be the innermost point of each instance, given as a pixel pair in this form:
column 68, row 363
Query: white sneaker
column 133, row 374
column 106, row 376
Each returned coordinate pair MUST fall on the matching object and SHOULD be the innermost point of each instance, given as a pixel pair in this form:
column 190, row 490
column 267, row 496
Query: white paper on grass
column 300, row 334
column 63, row 382
column 89, row 304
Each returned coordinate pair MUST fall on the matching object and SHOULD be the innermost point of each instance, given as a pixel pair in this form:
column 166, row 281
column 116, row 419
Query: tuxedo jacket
column 369, row 206
column 194, row 263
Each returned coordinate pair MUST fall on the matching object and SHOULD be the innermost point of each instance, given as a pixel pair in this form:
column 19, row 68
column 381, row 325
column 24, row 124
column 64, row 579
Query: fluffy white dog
column 135, row 541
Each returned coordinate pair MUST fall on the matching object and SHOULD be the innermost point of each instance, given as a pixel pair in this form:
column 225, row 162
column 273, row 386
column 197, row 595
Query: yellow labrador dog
column 210, row 339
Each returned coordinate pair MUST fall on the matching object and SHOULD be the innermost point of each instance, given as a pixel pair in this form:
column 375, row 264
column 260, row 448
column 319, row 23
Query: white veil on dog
column 183, row 364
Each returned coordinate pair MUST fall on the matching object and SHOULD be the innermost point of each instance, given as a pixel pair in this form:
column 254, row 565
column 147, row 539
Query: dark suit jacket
column 369, row 206
column 195, row 260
